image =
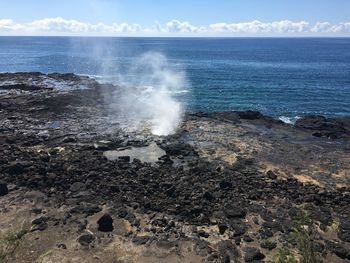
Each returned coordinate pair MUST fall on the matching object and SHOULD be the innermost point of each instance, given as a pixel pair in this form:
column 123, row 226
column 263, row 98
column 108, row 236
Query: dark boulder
column 3, row 189
column 222, row 228
column 252, row 254
column 333, row 128
column 268, row 244
column 17, row 167
column 344, row 229
column 202, row 233
column 86, row 240
column 140, row 240
column 228, row 249
column 339, row 250
column 39, row 224
column 249, row 115
column 235, row 212
column 105, row 223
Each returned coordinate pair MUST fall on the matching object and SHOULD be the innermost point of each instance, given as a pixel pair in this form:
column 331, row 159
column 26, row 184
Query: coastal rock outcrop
column 228, row 186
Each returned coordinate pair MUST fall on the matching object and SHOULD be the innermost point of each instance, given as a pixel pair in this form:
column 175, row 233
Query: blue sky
column 198, row 15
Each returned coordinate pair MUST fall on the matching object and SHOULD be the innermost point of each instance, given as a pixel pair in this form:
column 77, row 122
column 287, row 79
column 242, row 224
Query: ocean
column 282, row 77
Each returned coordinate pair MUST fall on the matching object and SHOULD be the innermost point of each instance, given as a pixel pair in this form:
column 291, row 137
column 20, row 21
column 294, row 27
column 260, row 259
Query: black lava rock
column 3, row 189
column 222, row 228
column 235, row 212
column 249, row 115
column 78, row 186
column 252, row 254
column 105, row 223
column 268, row 244
column 86, row 239
column 225, row 184
column 202, row 233
column 140, row 240
column 16, row 167
column 39, row 223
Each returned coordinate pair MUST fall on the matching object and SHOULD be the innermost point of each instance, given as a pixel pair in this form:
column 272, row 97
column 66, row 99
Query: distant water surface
column 281, row 77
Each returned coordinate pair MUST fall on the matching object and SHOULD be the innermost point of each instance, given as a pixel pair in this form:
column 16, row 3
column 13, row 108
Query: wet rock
column 249, row 115
column 3, row 189
column 103, row 145
column 252, row 254
column 105, row 223
column 323, row 127
column 86, row 239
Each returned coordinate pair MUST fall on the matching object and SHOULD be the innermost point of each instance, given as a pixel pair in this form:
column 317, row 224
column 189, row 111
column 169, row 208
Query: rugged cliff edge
column 227, row 187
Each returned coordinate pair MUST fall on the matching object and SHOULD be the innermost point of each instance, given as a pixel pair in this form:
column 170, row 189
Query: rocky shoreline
column 226, row 187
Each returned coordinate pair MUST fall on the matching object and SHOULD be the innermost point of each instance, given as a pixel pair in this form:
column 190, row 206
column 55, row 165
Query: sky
column 175, row 18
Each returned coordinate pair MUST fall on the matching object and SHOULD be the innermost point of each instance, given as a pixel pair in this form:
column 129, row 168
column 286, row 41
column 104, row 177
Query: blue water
column 279, row 77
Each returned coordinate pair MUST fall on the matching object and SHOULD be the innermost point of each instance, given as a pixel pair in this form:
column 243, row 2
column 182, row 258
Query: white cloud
column 61, row 26
column 175, row 26
column 257, row 27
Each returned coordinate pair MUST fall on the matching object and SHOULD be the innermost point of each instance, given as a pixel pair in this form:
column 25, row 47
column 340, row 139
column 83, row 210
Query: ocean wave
column 289, row 120
column 151, row 89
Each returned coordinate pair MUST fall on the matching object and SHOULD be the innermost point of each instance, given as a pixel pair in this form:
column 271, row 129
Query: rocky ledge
column 227, row 187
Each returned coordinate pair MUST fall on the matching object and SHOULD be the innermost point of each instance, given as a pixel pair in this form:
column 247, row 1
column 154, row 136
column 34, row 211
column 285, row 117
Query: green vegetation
column 285, row 255
column 300, row 238
column 9, row 241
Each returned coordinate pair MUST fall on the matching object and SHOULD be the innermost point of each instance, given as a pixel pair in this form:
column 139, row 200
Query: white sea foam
column 289, row 120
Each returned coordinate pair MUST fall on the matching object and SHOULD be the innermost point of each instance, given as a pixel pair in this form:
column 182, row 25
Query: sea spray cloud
column 146, row 99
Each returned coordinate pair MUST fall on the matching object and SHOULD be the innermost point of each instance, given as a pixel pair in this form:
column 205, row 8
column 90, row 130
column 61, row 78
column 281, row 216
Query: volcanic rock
column 222, row 228
column 325, row 127
column 140, row 240
column 251, row 254
column 105, row 223
column 86, row 239
column 77, row 186
column 3, row 189
column 267, row 244
column 249, row 115
column 40, row 223
column 235, row 212
column 17, row 167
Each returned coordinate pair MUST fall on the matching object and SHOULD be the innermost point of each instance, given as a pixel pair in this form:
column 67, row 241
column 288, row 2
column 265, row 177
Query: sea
column 284, row 78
